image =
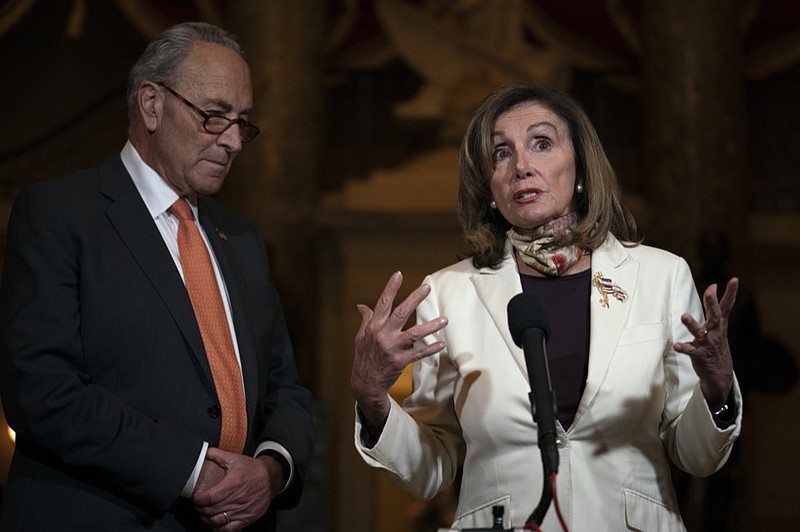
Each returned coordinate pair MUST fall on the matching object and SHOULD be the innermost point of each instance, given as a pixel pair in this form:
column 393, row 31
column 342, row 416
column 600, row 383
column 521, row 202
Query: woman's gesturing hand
column 383, row 349
column 709, row 351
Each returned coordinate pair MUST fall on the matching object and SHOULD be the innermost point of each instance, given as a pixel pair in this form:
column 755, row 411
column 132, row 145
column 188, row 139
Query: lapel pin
column 222, row 235
column 606, row 286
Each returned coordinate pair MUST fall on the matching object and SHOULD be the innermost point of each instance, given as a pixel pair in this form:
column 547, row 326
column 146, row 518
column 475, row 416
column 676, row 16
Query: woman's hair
column 598, row 207
column 163, row 57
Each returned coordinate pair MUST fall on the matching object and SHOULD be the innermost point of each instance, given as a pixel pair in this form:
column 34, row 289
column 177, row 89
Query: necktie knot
column 181, row 210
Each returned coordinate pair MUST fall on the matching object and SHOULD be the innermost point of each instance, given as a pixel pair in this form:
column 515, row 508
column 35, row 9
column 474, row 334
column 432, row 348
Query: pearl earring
column 493, row 204
column 579, row 188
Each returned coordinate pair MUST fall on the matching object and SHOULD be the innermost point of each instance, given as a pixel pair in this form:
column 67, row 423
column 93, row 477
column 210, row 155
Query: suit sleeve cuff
column 279, row 452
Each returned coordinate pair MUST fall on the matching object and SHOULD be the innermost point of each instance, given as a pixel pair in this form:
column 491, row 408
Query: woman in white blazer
column 640, row 376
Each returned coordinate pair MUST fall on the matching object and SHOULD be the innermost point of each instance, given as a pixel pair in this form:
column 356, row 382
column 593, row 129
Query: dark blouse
column 566, row 299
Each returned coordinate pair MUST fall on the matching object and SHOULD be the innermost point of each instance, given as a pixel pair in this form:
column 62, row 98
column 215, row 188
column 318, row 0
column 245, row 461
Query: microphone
column 530, row 329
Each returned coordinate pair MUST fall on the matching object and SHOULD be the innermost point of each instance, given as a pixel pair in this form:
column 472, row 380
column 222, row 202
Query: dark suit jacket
column 104, row 375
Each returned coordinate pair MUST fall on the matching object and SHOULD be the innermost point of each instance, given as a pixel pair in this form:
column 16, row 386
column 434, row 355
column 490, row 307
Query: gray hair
column 163, row 57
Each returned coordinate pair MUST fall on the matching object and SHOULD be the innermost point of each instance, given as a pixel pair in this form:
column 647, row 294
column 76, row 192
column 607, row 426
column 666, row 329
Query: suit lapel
column 607, row 323
column 495, row 289
column 132, row 221
column 237, row 295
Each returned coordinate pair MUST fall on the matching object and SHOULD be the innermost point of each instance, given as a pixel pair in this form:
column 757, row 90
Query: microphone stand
column 549, row 465
column 529, row 328
column 543, row 410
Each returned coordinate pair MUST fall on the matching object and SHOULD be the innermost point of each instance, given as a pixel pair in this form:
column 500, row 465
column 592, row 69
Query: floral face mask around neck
column 542, row 249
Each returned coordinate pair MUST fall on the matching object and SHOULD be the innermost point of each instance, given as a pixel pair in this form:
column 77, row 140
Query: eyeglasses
column 218, row 124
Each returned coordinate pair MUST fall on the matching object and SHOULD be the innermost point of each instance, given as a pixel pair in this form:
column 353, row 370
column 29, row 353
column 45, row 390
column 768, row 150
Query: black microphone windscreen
column 525, row 311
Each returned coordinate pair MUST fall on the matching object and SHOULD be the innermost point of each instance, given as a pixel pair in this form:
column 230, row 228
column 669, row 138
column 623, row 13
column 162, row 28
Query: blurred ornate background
column 362, row 104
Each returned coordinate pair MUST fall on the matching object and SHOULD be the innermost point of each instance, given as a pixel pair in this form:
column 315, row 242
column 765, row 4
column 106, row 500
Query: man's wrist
column 282, row 461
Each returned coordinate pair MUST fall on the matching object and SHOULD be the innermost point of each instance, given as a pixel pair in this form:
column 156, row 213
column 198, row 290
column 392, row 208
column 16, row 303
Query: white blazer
column 641, row 407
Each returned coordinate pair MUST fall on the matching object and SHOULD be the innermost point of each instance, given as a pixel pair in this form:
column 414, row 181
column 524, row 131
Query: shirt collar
column 158, row 196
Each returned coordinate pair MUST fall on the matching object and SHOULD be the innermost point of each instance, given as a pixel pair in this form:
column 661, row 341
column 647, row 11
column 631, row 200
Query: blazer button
column 214, row 411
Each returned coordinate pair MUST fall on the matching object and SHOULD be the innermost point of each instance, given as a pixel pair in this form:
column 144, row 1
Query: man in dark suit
column 109, row 376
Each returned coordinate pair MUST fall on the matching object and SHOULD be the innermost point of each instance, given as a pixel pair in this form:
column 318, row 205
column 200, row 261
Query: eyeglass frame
column 244, row 125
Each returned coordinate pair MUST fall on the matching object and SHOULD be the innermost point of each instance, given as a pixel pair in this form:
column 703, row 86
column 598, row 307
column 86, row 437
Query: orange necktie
column 210, row 313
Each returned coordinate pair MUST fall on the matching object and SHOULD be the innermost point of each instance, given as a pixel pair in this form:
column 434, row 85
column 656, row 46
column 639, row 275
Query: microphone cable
column 534, row 520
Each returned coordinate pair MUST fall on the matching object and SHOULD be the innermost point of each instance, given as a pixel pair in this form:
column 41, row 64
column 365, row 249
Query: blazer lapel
column 495, row 289
column 607, row 323
column 130, row 217
column 237, row 295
